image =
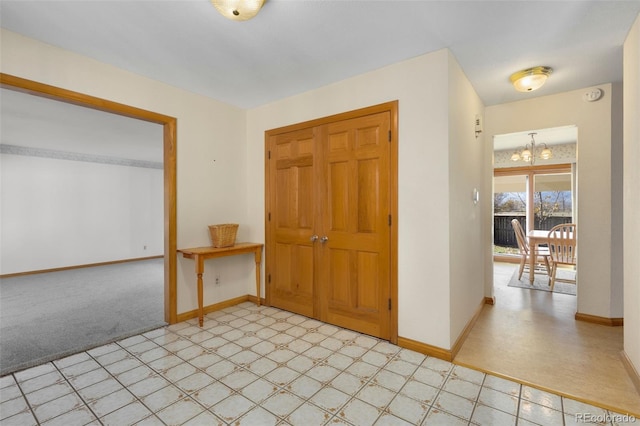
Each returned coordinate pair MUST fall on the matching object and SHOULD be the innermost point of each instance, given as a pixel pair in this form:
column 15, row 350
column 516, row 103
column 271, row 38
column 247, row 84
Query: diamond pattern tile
column 261, row 366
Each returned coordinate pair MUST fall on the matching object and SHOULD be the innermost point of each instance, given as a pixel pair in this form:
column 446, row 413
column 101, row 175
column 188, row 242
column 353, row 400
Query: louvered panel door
column 292, row 221
column 354, row 271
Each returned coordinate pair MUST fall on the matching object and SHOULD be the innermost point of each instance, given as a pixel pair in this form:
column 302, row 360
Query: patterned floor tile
column 256, row 365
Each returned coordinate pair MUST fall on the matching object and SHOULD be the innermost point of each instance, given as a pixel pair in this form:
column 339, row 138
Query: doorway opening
column 539, row 193
column 169, row 165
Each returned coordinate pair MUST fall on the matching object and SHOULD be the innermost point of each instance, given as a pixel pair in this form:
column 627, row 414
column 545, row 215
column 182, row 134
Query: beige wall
column 221, row 167
column 422, row 86
column 208, row 192
column 436, row 105
column 632, row 195
column 596, row 141
column 466, row 243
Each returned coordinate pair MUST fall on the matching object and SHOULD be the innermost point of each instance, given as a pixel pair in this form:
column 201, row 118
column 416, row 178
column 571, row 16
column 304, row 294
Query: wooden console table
column 199, row 254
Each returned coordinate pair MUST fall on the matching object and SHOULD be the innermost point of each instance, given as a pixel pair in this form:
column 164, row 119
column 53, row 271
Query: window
column 539, row 197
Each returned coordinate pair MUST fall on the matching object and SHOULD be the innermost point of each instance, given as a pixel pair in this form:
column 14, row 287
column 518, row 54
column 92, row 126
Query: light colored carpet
column 52, row 315
column 541, row 282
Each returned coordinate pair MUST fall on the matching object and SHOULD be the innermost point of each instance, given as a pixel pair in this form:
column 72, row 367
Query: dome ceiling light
column 238, row 10
column 530, row 79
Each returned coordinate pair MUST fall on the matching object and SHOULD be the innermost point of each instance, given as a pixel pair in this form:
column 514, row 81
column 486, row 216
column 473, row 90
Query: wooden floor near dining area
column 532, row 337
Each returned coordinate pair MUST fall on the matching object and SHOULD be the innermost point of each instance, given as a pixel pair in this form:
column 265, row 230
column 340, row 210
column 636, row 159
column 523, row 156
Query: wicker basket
column 223, row 235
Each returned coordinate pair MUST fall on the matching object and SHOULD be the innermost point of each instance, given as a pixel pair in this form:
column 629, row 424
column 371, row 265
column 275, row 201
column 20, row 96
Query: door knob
column 313, row 238
column 324, row 239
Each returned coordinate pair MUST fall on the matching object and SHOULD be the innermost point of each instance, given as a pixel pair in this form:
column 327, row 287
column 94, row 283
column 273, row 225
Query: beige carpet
column 51, row 315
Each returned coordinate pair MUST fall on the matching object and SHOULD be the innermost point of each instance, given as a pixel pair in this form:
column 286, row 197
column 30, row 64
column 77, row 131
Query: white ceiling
column 293, row 46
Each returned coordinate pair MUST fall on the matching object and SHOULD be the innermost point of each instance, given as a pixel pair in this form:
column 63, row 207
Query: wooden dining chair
column 541, row 253
column 562, row 249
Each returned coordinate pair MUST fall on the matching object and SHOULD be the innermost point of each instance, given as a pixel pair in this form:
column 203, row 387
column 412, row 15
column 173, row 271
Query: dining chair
column 562, row 249
column 525, row 251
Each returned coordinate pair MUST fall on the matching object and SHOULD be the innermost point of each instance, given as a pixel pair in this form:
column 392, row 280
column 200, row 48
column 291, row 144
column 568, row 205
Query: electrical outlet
column 217, row 279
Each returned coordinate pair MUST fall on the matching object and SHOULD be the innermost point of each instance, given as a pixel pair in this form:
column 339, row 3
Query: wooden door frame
column 169, row 124
column 392, row 109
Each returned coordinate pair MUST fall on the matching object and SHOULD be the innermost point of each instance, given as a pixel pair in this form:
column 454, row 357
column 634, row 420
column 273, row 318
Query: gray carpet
column 541, row 282
column 51, row 315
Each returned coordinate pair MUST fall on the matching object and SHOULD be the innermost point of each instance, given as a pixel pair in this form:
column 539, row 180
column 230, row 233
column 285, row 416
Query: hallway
column 531, row 337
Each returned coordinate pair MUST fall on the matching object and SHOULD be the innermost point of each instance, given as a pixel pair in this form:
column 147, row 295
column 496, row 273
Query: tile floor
column 263, row 366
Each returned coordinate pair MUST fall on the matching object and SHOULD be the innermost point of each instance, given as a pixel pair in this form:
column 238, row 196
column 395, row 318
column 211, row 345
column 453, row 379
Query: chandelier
column 528, row 153
column 238, row 10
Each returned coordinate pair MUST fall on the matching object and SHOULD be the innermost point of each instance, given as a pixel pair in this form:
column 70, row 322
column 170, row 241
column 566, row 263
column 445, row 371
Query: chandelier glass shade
column 528, row 153
column 530, row 79
column 238, row 10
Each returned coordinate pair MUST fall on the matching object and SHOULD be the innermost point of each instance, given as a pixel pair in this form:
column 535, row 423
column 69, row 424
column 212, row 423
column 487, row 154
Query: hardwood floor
column 532, row 337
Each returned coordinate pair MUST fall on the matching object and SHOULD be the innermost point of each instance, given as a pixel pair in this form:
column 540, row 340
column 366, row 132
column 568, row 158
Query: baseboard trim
column 594, row 319
column 490, row 300
column 445, row 354
column 506, row 258
column 633, row 373
column 215, row 307
column 425, row 348
column 254, row 299
column 467, row 329
column 88, row 265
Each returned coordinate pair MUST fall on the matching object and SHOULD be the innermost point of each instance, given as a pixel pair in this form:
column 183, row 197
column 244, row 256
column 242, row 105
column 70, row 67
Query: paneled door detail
column 292, row 221
column 331, row 244
column 354, row 259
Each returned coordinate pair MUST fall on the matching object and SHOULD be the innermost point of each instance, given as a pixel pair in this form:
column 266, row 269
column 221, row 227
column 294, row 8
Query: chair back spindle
column 562, row 244
column 562, row 248
column 523, row 246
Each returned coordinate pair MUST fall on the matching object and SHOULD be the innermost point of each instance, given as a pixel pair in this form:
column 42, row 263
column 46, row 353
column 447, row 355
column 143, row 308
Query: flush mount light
column 530, row 79
column 238, row 10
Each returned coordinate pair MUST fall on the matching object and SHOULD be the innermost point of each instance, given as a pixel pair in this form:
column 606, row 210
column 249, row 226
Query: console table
column 199, row 254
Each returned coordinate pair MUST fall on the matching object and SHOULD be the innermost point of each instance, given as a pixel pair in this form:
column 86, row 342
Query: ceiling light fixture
column 238, row 10
column 530, row 79
column 528, row 153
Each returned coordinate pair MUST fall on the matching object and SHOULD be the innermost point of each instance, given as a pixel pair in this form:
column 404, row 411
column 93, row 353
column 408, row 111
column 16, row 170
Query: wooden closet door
column 354, row 263
column 291, row 221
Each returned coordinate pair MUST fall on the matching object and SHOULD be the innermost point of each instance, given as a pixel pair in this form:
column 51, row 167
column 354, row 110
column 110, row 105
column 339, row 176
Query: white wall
column 466, row 221
column 221, row 171
column 59, row 212
column 211, row 152
column 596, row 139
column 421, row 85
column 632, row 195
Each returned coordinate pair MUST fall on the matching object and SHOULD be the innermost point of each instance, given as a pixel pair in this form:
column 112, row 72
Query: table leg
column 258, row 256
column 199, row 271
column 533, row 249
